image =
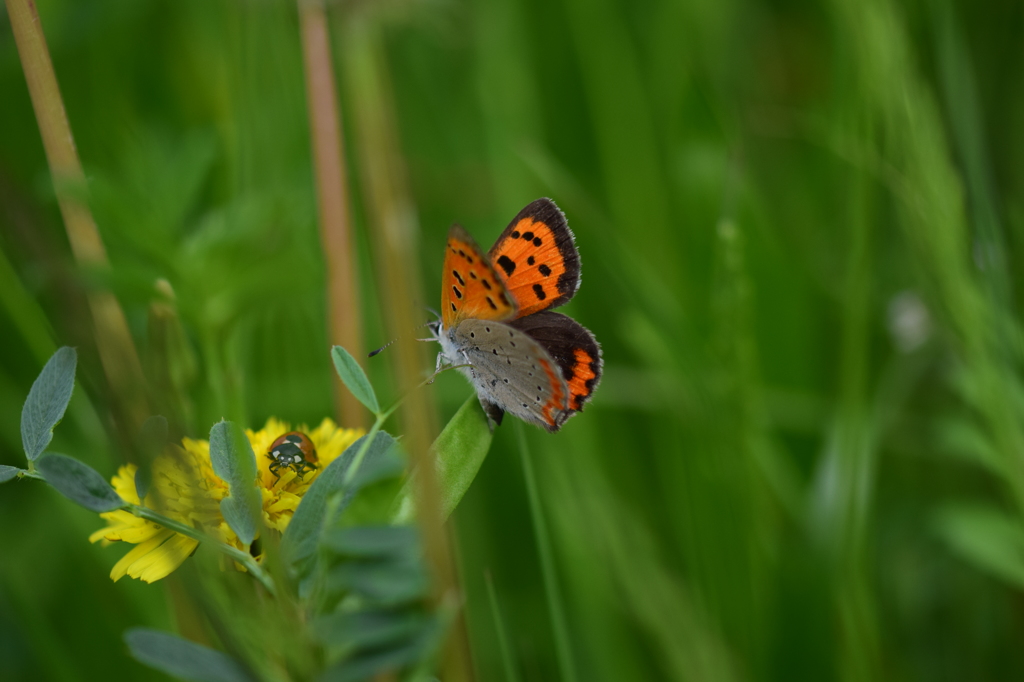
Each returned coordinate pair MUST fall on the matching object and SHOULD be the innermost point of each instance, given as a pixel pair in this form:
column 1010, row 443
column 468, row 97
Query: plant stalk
column 392, row 217
column 326, row 138
column 113, row 339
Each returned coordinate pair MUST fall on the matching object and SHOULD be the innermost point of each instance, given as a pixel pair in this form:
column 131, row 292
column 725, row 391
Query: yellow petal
column 121, row 567
column 164, row 560
column 124, row 483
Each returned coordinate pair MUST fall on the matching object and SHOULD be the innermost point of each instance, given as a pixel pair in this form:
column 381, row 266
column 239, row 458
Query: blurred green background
column 801, row 225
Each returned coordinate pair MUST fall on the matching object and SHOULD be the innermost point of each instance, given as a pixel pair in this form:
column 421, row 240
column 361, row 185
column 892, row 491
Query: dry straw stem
column 344, row 314
column 113, row 340
column 392, row 219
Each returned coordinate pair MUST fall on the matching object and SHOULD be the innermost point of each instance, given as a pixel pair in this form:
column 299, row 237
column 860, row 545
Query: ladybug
column 293, row 450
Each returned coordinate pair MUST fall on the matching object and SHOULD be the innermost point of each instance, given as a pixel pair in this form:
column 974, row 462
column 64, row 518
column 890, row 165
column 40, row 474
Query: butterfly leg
column 465, row 356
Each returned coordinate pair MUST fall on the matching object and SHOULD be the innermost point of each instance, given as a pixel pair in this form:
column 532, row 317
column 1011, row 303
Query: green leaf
column 235, row 463
column 78, row 482
column 986, row 537
column 382, row 582
column 300, row 537
column 459, row 451
column 47, row 400
column 7, row 473
column 368, row 663
column 373, row 541
column 354, row 377
column 368, row 628
column 183, row 659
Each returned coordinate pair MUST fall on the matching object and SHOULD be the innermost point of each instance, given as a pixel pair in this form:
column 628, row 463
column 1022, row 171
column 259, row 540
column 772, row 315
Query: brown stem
column 327, row 141
column 113, row 339
column 392, row 217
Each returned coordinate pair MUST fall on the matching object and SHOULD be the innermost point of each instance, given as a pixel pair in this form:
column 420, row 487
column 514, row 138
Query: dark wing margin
column 573, row 348
column 539, row 230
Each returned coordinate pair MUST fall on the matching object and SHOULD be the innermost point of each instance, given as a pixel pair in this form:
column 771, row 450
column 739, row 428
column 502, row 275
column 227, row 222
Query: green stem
column 382, row 417
column 238, row 555
column 547, row 565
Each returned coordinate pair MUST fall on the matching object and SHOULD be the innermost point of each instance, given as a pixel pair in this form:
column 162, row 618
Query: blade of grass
column 499, row 627
column 556, row 607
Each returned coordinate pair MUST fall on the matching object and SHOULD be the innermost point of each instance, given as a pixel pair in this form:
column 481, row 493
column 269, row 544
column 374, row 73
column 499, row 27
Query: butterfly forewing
column 470, row 288
column 536, row 257
column 514, row 372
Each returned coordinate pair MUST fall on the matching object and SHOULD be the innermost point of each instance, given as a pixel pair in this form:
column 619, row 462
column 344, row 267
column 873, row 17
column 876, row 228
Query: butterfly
column 496, row 320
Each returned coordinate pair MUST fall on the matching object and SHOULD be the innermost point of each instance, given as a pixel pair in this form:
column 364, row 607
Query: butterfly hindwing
column 470, row 288
column 512, row 373
column 536, row 258
column 573, row 348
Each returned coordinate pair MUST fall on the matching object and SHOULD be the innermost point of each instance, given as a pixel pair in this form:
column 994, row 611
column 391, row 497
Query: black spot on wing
column 539, row 291
column 544, row 269
column 507, row 264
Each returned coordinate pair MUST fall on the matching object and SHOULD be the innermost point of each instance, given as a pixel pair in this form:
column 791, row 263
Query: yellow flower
column 185, row 489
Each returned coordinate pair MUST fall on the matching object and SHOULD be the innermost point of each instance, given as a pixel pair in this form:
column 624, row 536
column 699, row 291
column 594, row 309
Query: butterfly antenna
column 372, row 353
column 431, row 324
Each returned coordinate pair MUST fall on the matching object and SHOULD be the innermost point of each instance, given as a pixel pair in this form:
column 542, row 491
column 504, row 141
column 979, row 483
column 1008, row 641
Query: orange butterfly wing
column 536, row 258
column 470, row 288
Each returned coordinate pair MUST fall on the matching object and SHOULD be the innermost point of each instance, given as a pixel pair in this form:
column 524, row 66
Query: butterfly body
column 497, row 326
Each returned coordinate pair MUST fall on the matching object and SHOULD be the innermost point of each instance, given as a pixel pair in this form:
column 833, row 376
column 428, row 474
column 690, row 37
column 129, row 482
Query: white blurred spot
column 909, row 321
